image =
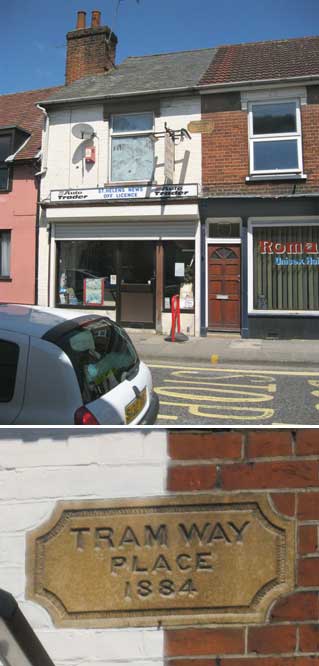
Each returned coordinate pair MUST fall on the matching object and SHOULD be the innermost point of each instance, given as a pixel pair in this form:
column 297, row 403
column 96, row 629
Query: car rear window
column 9, row 355
column 102, row 356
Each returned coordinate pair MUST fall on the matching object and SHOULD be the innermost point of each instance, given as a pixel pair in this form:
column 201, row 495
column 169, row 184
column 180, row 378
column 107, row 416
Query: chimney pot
column 96, row 18
column 81, row 20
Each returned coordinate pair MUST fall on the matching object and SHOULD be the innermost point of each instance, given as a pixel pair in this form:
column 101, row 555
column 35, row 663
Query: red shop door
column 224, row 287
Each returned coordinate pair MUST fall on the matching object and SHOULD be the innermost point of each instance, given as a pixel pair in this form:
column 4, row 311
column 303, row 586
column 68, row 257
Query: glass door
column 137, row 284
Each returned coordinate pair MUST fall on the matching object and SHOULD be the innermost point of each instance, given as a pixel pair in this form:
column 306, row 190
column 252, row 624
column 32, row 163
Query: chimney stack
column 81, row 20
column 89, row 50
column 96, row 19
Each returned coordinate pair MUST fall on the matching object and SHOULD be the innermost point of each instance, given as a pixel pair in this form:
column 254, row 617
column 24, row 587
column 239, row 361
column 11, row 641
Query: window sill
column 274, row 176
column 80, row 306
column 130, row 183
column 5, row 278
column 283, row 313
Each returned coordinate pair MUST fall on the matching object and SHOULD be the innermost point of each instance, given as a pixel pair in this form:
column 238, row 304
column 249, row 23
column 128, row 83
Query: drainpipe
column 37, row 227
column 38, row 176
column 43, row 170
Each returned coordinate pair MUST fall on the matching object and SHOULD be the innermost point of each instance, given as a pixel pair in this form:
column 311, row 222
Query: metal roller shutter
column 121, row 230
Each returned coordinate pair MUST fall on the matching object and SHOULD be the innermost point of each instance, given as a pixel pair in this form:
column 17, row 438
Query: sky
column 32, row 32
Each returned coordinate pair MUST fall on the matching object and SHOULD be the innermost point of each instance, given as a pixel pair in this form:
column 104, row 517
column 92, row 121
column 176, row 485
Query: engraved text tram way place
column 128, row 563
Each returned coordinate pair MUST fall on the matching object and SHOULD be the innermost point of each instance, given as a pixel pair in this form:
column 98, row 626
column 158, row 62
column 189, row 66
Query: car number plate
column 135, row 407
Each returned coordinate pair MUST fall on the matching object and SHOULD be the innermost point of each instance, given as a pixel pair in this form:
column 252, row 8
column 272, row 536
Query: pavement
column 226, row 348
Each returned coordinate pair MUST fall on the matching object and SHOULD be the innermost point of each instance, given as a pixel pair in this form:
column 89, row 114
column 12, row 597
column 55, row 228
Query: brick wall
column 284, row 464
column 225, row 151
column 89, row 51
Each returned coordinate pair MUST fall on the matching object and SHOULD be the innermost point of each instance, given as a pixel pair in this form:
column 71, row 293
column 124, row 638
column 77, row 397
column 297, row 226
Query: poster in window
column 186, row 297
column 93, row 291
column 179, row 269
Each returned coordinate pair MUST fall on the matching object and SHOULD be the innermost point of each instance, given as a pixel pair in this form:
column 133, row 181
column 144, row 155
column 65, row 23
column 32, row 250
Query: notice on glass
column 179, row 269
column 93, row 291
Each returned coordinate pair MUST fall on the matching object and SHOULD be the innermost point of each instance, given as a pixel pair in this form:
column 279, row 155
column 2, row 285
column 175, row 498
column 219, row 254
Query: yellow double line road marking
column 251, row 395
column 253, row 413
column 289, row 373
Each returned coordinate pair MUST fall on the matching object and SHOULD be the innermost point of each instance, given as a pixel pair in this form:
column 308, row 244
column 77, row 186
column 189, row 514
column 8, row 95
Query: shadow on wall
column 61, row 434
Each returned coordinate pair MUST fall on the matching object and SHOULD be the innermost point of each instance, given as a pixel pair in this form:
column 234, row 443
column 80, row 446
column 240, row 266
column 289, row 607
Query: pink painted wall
column 18, row 214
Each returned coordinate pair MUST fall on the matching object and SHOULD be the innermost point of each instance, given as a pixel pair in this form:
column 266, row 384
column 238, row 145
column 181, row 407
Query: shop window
column 132, row 147
column 5, row 150
column 5, row 251
column 87, row 274
column 286, row 268
column 275, row 137
column 179, row 273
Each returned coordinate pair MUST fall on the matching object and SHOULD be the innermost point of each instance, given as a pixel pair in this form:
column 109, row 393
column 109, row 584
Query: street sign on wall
column 135, row 562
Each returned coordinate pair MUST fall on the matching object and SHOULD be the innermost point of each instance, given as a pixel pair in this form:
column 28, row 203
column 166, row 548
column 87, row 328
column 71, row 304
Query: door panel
column 223, row 287
column 137, row 283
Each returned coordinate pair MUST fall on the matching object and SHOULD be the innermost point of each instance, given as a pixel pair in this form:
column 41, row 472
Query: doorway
column 136, row 284
column 223, row 269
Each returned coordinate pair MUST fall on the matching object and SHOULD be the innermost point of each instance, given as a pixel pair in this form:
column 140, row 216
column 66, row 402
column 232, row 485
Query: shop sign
column 126, row 192
column 201, row 126
column 291, row 248
column 167, row 560
column 169, row 158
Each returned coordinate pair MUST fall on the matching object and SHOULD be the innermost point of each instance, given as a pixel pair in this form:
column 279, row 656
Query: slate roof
column 256, row 61
column 19, row 109
column 142, row 74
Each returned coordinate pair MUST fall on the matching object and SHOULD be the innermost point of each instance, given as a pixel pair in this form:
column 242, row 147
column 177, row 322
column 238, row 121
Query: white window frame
column 283, row 136
column 114, row 135
column 273, row 222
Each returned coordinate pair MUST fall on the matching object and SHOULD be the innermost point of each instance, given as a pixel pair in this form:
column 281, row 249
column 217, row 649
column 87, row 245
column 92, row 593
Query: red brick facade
column 285, row 465
column 225, row 151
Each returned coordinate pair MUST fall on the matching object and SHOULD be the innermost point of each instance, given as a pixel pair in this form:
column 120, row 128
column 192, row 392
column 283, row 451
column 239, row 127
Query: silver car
column 58, row 367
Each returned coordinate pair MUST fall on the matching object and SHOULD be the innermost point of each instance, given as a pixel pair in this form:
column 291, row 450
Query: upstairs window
column 275, row 137
column 5, row 251
column 5, row 151
column 132, row 147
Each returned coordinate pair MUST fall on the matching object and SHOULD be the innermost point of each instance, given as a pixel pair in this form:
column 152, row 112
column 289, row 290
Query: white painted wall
column 39, row 467
column 66, row 168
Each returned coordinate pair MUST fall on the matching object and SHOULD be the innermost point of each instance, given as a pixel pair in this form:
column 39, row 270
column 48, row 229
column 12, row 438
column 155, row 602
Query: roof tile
column 20, row 109
column 271, row 60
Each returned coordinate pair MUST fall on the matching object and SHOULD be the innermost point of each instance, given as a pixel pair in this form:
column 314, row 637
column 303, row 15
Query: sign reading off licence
column 120, row 193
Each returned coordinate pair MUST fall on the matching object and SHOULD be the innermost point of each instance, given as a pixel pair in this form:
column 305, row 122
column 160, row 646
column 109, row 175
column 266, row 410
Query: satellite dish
column 83, row 131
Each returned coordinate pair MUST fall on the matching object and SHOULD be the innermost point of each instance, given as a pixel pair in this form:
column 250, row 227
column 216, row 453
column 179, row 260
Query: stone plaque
column 201, row 126
column 168, row 560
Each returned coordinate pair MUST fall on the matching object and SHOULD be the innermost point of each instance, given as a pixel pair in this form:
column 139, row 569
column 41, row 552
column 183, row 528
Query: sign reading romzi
column 144, row 562
column 292, row 249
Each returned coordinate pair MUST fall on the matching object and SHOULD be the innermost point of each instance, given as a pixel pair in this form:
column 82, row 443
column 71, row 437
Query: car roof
column 33, row 320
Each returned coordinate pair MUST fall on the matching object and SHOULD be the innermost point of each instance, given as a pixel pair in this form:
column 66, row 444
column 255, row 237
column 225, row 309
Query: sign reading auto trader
column 141, row 562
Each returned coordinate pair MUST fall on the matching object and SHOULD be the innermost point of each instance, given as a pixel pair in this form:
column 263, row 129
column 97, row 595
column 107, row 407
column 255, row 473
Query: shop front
column 260, row 270
column 127, row 261
column 283, row 276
